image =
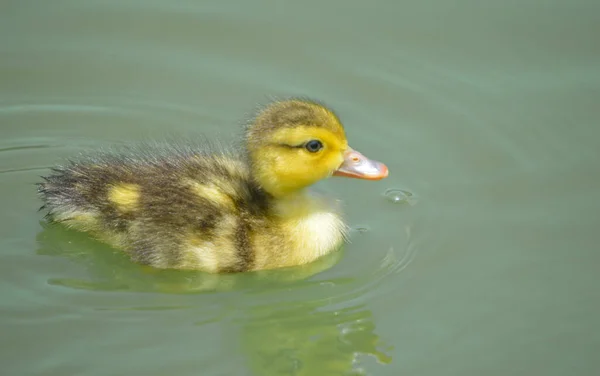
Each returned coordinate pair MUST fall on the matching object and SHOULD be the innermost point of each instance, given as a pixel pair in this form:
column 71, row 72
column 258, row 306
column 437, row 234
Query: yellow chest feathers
column 307, row 229
column 315, row 234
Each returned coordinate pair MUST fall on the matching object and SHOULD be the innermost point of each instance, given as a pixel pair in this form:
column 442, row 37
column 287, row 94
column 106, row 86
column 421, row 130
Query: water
column 478, row 255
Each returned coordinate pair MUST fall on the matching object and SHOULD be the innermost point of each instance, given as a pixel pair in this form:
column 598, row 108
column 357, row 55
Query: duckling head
column 293, row 144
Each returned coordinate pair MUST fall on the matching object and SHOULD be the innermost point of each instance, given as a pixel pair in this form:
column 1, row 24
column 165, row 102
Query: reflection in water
column 306, row 339
column 320, row 335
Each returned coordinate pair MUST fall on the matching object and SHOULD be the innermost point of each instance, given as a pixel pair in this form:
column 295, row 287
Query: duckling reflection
column 303, row 338
column 306, row 339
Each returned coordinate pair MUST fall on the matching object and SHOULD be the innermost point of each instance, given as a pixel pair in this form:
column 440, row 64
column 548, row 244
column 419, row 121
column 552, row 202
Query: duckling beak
column 358, row 166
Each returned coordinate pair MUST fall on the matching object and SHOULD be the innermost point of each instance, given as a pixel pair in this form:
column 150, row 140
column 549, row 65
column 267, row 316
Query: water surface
column 482, row 259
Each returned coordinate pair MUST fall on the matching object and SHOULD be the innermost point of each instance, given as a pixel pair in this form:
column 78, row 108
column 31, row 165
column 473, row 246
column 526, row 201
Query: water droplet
column 398, row 196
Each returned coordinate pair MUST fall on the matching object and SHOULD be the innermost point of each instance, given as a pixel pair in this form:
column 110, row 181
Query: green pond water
column 478, row 255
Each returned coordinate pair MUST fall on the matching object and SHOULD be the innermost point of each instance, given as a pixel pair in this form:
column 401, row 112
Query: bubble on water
column 399, row 196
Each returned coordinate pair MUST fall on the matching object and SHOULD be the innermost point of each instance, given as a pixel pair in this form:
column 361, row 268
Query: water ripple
column 22, row 147
column 54, row 108
column 40, row 168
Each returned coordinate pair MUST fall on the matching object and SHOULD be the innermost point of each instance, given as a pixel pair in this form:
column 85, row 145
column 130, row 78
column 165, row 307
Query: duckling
column 219, row 211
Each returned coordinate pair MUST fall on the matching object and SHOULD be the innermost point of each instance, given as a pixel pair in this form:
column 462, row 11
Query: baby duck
column 179, row 207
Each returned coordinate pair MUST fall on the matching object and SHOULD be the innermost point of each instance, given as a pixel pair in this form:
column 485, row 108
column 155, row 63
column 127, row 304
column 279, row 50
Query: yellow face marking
column 281, row 168
column 125, row 196
column 213, row 194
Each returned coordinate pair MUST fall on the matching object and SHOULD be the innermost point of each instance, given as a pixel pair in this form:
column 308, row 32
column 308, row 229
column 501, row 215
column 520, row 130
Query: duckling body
column 183, row 207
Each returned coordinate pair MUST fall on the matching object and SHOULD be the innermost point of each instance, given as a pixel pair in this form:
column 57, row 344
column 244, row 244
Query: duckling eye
column 313, row 146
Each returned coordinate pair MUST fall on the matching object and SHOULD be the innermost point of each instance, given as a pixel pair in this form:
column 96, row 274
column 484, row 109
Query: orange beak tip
column 356, row 165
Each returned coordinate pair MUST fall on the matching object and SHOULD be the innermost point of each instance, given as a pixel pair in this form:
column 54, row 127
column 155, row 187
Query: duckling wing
column 184, row 210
